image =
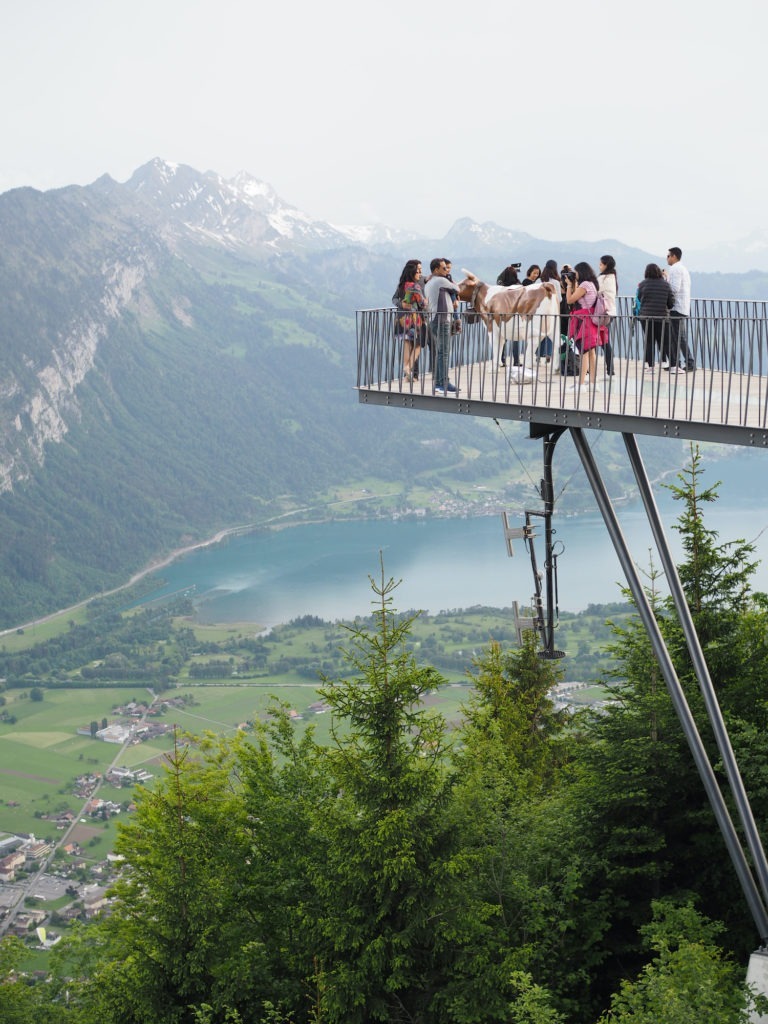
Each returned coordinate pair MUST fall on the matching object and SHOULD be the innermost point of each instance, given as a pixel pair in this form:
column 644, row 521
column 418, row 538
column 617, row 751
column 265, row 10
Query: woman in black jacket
column 656, row 300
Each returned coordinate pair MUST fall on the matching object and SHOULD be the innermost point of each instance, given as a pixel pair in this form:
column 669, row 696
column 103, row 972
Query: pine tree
column 384, row 831
column 515, row 879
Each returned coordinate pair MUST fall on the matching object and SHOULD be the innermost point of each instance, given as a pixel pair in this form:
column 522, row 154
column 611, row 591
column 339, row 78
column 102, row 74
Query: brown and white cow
column 503, row 309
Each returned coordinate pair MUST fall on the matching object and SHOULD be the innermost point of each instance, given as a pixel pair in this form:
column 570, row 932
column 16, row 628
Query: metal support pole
column 548, row 497
column 700, row 667
column 723, row 818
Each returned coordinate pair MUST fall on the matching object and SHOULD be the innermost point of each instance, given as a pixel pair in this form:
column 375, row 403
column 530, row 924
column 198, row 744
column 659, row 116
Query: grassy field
column 41, row 754
column 20, row 640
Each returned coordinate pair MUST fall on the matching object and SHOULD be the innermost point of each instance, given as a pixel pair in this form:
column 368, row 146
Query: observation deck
column 724, row 398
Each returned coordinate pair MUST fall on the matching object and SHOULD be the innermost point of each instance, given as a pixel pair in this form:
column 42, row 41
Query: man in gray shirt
column 440, row 293
column 680, row 284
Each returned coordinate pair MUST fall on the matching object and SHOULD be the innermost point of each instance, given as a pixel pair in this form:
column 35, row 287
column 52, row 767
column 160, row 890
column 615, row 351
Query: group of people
column 568, row 312
column 427, row 316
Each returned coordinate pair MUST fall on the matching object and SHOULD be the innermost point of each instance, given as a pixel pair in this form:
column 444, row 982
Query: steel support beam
column 700, row 667
column 751, row 891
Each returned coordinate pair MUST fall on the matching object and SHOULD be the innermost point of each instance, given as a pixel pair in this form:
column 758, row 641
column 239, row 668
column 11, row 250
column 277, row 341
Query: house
column 10, row 864
column 94, row 900
column 38, row 850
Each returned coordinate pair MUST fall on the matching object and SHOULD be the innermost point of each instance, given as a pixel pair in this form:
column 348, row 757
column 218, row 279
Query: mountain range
column 178, row 357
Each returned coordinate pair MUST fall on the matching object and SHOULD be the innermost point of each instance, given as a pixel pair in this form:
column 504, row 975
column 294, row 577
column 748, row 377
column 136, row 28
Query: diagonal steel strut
column 700, row 667
column 755, row 900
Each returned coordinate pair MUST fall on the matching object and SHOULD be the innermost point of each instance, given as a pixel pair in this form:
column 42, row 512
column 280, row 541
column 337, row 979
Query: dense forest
column 533, row 867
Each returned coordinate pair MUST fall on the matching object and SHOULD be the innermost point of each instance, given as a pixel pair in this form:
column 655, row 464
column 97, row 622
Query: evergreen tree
column 689, row 979
column 384, row 830
column 511, row 709
column 515, row 879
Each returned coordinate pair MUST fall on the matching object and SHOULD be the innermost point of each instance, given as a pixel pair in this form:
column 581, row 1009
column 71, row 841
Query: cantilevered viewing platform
column 724, row 398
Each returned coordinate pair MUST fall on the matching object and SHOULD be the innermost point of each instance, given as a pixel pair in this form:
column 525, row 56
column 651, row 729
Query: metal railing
column 725, row 344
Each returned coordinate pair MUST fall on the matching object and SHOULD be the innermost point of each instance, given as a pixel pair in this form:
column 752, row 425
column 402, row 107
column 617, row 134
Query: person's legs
column 585, row 366
column 442, row 352
column 608, row 351
column 407, row 356
column 649, row 335
column 516, row 349
column 678, row 344
column 682, row 343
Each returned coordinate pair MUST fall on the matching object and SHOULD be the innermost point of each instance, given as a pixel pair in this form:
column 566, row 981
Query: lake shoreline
column 283, row 521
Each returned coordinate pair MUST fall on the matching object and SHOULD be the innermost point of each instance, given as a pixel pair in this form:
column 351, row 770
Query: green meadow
column 41, row 754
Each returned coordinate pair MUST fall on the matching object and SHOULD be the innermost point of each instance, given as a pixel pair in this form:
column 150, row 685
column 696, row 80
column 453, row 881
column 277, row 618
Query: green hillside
column 160, row 384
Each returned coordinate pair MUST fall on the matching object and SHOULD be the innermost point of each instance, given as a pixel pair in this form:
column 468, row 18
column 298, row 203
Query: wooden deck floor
column 704, row 404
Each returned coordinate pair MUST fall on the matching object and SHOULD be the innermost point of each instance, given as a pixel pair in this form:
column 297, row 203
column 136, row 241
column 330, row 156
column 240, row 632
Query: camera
column 570, row 275
column 515, row 266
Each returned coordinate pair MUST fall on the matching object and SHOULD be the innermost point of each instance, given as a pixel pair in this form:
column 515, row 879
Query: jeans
column 441, row 328
column 678, row 345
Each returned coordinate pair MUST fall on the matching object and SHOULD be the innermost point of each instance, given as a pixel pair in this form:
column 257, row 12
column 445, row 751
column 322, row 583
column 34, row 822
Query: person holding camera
column 581, row 293
column 565, row 309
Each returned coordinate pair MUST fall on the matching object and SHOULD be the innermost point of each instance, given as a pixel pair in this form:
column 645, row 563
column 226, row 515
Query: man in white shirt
column 680, row 283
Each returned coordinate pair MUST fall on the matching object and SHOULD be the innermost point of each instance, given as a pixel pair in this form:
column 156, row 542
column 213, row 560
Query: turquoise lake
column 273, row 576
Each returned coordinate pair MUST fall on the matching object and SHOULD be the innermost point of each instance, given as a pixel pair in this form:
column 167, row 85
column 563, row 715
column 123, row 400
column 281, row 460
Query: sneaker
column 451, row 389
column 665, row 364
column 650, row 369
column 675, row 369
column 439, row 391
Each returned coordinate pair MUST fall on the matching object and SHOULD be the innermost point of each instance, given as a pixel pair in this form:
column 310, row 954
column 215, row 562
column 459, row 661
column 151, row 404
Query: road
column 28, row 886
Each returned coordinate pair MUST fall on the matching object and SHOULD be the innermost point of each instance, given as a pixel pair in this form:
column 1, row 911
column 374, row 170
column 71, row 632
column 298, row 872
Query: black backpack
column 569, row 358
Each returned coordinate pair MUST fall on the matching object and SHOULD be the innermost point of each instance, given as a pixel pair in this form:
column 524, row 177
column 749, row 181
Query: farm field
column 227, row 675
column 41, row 754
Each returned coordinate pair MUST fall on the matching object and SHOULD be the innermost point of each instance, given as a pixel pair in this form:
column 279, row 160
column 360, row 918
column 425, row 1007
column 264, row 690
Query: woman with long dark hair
column 608, row 286
column 409, row 300
column 581, row 293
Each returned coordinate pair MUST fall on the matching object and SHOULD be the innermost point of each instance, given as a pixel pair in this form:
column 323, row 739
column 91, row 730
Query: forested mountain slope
column 161, row 379
column 177, row 356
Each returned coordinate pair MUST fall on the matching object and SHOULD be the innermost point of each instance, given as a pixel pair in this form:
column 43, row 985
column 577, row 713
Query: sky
column 644, row 123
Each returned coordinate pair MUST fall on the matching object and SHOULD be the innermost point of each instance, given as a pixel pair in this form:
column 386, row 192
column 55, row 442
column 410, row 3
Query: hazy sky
column 642, row 122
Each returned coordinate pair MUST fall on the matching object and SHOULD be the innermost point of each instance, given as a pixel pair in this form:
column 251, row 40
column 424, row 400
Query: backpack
column 600, row 316
column 569, row 358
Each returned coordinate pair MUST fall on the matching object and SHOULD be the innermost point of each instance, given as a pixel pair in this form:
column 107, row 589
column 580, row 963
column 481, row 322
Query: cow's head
column 467, row 286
